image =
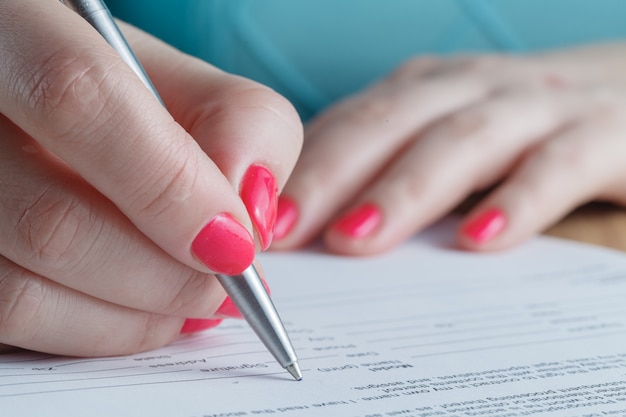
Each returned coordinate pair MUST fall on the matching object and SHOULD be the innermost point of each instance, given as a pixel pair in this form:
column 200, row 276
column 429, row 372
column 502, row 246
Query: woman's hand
column 544, row 133
column 113, row 213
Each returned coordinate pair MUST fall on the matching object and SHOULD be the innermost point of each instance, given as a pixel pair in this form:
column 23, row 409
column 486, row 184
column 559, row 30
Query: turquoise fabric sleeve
column 316, row 51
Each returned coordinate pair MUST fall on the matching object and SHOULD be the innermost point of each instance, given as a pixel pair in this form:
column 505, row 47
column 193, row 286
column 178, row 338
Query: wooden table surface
column 601, row 224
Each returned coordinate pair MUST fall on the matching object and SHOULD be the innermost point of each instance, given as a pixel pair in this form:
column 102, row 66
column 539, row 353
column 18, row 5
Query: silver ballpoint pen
column 245, row 290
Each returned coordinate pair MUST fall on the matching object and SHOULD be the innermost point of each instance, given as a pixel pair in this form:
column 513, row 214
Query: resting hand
column 113, row 213
column 544, row 133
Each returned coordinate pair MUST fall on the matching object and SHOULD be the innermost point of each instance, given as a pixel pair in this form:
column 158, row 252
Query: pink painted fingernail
column 224, row 245
column 485, row 226
column 259, row 194
column 360, row 222
column 287, row 215
column 197, row 325
column 229, row 309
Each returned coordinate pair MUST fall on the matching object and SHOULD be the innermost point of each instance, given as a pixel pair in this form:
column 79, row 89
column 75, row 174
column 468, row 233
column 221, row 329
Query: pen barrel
column 254, row 303
column 246, row 290
column 84, row 7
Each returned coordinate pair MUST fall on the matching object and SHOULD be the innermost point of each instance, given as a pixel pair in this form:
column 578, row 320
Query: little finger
column 584, row 161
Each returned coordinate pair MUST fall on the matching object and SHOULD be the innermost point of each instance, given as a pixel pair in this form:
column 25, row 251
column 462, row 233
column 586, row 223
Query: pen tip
column 294, row 370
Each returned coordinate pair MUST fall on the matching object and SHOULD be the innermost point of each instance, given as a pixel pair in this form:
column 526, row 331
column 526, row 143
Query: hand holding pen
column 116, row 212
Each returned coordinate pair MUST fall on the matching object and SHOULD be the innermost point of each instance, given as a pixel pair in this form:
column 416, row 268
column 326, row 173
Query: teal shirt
column 316, row 51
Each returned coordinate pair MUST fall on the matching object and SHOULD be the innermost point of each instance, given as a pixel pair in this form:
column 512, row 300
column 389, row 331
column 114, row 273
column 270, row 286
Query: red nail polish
column 485, row 227
column 360, row 222
column 196, row 325
column 224, row 245
column 228, row 308
column 259, row 193
column 287, row 215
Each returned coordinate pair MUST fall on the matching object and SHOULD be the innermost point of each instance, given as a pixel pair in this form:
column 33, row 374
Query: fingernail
column 224, row 245
column 286, row 217
column 360, row 222
column 259, row 193
column 230, row 310
column 485, row 227
column 196, row 325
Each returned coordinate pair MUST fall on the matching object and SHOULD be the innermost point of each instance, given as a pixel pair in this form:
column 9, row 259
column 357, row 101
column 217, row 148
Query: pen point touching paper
column 294, row 370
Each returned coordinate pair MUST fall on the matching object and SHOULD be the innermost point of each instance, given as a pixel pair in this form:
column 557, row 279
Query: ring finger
column 39, row 314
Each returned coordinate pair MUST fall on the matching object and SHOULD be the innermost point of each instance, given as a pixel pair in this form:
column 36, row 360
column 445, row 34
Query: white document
column 426, row 330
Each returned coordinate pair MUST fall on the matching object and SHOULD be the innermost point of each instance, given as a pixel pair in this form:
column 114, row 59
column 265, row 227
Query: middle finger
column 58, row 226
column 347, row 146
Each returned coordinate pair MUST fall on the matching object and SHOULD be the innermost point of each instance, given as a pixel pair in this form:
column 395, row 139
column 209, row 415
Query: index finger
column 71, row 92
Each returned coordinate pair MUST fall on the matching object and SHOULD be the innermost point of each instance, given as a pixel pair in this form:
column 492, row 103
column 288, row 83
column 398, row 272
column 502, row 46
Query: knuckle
column 567, row 157
column 163, row 194
column 48, row 228
column 66, row 85
column 491, row 61
column 246, row 95
column 21, row 299
column 415, row 67
column 279, row 108
column 487, row 63
column 192, row 298
column 149, row 336
column 412, row 189
column 470, row 124
column 275, row 104
column 371, row 109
